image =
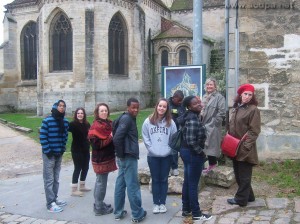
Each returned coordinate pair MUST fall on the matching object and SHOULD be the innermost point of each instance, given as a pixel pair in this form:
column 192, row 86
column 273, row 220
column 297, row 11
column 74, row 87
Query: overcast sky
column 2, row 3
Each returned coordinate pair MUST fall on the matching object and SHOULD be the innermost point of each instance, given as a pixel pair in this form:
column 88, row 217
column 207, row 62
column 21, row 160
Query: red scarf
column 101, row 129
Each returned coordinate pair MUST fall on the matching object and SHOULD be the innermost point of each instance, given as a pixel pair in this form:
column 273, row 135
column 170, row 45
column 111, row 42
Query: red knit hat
column 245, row 87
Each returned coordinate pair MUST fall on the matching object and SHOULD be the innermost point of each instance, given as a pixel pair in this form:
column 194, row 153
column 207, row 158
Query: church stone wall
column 270, row 59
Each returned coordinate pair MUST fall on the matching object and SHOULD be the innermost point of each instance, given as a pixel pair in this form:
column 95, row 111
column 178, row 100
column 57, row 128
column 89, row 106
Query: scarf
column 206, row 99
column 60, row 118
column 101, row 129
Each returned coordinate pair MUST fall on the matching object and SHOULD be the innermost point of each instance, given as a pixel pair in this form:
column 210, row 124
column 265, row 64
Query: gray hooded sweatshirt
column 156, row 137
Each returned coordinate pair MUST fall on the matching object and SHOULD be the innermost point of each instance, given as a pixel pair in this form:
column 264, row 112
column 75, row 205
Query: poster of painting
column 188, row 79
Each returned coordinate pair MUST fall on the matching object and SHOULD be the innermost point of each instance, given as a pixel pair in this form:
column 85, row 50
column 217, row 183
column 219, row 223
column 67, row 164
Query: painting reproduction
column 189, row 79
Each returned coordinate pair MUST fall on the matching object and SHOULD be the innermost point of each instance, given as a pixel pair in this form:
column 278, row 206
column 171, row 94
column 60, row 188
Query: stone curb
column 15, row 126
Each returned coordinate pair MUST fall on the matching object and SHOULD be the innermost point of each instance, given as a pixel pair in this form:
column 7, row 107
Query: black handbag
column 176, row 140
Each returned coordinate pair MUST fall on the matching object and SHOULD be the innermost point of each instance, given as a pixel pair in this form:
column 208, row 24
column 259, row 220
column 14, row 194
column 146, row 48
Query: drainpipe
column 237, row 46
column 226, row 59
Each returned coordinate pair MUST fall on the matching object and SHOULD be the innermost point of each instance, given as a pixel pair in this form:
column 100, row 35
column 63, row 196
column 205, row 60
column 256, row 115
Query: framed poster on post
column 188, row 79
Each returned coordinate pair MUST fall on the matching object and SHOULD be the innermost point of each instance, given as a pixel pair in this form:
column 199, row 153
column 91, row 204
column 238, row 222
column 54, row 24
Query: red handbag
column 230, row 145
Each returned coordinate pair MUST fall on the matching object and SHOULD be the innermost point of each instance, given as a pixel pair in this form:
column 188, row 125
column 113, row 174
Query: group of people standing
column 115, row 146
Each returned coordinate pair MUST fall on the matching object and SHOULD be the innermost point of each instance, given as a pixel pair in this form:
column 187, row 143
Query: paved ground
column 22, row 197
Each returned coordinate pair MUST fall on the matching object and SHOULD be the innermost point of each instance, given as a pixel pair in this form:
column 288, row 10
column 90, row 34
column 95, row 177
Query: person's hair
column 84, row 115
column 238, row 100
column 96, row 111
column 187, row 101
column 154, row 118
column 178, row 94
column 211, row 80
column 131, row 100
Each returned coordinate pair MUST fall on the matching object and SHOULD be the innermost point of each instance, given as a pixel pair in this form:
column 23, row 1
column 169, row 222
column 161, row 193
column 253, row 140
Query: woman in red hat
column 245, row 120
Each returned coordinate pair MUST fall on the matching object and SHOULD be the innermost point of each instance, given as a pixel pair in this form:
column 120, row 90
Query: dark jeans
column 81, row 166
column 174, row 162
column 243, row 176
column 159, row 169
column 193, row 166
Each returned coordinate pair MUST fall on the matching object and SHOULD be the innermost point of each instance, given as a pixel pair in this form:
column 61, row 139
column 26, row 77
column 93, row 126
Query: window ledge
column 118, row 76
column 27, row 83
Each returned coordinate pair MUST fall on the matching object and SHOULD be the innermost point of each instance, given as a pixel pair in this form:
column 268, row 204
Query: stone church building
column 90, row 51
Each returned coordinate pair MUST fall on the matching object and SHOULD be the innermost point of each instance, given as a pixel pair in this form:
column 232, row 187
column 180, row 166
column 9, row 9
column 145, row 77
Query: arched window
column 164, row 58
column 182, row 57
column 118, row 46
column 29, row 52
column 61, row 44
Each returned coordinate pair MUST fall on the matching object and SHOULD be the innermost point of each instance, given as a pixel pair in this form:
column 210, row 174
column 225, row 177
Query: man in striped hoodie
column 53, row 138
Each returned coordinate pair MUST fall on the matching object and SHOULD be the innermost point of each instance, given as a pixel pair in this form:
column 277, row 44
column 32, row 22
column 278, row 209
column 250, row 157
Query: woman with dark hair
column 103, row 156
column 80, row 150
column 156, row 131
column 244, row 121
column 193, row 157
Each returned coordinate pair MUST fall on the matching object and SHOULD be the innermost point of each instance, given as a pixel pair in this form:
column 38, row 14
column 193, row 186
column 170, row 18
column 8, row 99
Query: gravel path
column 20, row 155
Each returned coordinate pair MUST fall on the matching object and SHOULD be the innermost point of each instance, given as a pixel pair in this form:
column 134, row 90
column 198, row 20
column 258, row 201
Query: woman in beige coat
column 212, row 115
column 245, row 120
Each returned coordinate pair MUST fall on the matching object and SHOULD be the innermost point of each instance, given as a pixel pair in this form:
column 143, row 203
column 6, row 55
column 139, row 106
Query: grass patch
column 283, row 174
column 33, row 122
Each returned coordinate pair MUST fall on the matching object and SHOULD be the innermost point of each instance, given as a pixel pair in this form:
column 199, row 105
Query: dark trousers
column 81, row 166
column 243, row 176
column 212, row 160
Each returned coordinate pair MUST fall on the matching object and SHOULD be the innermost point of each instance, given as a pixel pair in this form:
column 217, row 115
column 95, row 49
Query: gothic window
column 164, row 58
column 61, row 44
column 182, row 57
column 29, row 52
column 118, row 46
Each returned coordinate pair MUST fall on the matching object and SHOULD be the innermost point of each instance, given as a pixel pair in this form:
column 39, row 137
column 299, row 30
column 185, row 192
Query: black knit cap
column 187, row 100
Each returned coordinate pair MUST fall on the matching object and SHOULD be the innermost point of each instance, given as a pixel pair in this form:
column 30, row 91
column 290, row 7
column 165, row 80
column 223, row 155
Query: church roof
column 159, row 2
column 172, row 29
column 182, row 5
column 17, row 3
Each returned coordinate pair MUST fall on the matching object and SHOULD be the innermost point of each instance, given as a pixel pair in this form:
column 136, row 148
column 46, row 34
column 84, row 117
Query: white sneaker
column 156, row 209
column 54, row 208
column 162, row 208
column 175, row 172
column 61, row 203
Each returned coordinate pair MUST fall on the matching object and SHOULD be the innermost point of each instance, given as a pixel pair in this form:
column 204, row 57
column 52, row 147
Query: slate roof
column 17, row 3
column 182, row 5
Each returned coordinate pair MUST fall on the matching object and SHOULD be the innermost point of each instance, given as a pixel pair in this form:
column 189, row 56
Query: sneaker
column 203, row 217
column 170, row 173
column 61, row 203
column 156, row 209
column 162, row 208
column 104, row 211
column 54, row 208
column 186, row 213
column 175, row 172
column 123, row 214
column 139, row 219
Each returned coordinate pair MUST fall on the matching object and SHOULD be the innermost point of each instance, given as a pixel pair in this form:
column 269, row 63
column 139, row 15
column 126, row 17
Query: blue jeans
column 128, row 178
column 51, row 170
column 193, row 166
column 159, row 169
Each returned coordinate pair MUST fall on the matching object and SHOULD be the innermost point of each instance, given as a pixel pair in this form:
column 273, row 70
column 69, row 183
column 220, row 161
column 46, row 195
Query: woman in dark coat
column 80, row 149
column 245, row 120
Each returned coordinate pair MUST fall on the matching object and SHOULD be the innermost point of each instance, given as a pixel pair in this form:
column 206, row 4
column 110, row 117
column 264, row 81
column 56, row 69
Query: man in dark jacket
column 177, row 110
column 126, row 145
